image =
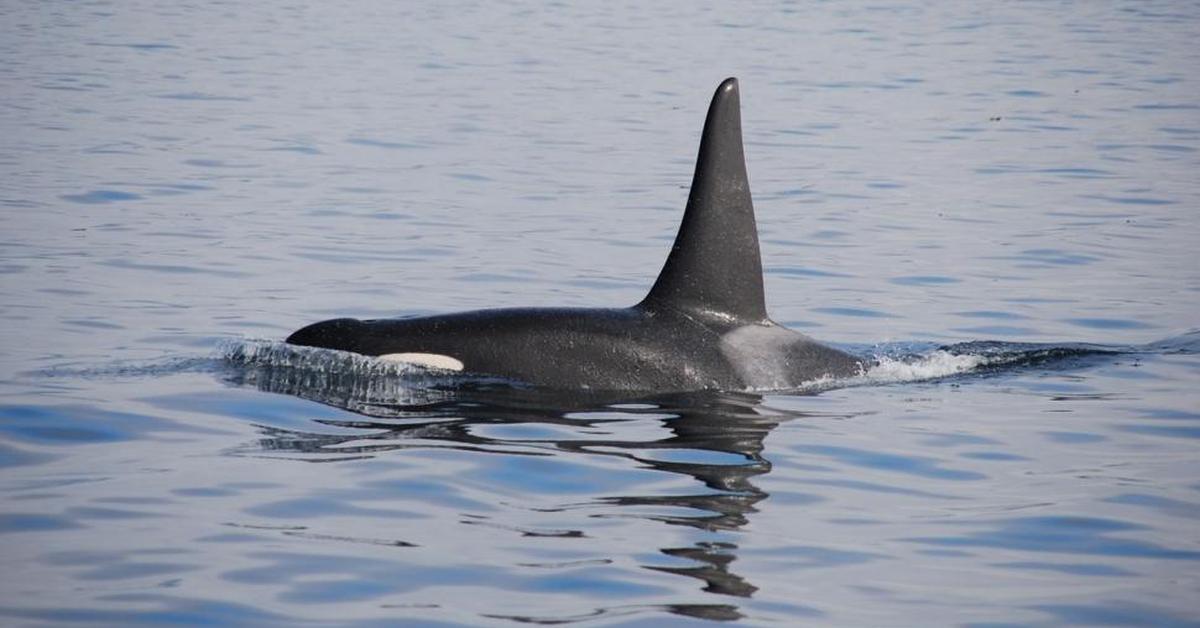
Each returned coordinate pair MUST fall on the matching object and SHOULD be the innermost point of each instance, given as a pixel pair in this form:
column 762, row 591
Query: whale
column 702, row 326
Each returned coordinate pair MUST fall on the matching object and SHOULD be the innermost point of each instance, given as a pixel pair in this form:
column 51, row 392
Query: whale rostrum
column 703, row 325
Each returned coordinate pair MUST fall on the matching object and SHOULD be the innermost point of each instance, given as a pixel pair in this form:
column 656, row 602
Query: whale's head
column 330, row 334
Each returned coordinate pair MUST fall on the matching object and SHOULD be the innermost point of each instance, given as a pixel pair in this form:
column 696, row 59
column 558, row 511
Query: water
column 183, row 185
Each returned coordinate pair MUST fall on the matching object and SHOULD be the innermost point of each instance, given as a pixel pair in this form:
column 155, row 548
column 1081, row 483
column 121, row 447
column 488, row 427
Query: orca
column 703, row 325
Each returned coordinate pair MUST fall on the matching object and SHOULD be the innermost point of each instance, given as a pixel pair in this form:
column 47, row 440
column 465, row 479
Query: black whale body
column 703, row 325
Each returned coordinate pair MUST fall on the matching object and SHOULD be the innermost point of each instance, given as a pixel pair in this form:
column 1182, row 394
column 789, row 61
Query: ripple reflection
column 714, row 438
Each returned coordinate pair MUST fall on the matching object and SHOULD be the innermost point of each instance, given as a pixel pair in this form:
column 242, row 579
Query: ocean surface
column 998, row 202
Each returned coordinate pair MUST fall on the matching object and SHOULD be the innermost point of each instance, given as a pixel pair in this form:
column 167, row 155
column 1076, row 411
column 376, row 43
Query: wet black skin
column 633, row 348
column 703, row 325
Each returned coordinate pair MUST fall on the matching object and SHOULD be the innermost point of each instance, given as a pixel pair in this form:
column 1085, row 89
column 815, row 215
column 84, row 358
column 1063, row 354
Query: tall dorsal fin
column 714, row 268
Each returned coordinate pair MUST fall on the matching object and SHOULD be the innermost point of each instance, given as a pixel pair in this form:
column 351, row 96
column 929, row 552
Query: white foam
column 938, row 364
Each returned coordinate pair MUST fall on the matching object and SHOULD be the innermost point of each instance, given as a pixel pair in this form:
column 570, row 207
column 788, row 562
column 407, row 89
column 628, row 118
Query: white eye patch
column 430, row 360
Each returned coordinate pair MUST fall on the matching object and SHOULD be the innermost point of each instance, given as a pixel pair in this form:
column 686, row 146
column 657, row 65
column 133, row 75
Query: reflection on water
column 715, row 438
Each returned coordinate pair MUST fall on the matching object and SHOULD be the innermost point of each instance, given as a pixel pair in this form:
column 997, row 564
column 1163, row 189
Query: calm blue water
column 181, row 185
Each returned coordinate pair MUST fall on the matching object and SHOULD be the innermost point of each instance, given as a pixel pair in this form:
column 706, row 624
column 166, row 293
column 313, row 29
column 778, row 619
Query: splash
column 902, row 363
column 340, row 378
column 254, row 353
column 938, row 364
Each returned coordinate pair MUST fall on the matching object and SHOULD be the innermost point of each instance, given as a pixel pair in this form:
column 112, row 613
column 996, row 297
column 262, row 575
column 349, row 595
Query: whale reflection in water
column 715, row 438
